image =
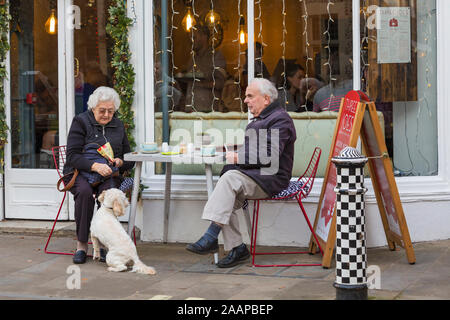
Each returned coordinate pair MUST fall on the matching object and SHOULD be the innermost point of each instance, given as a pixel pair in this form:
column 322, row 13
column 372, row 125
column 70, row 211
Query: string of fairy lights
column 283, row 52
column 308, row 59
column 237, row 69
column 426, row 25
column 328, row 63
column 194, row 64
column 172, row 56
column 213, row 55
column 260, row 38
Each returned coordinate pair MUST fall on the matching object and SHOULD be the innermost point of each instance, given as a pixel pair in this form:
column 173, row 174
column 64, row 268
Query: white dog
column 105, row 228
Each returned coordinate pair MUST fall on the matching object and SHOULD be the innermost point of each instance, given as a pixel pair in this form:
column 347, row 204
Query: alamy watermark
column 373, row 277
column 258, row 147
column 73, row 281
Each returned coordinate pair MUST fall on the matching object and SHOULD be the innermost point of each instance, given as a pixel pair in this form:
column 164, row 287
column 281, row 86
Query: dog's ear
column 118, row 208
column 101, row 197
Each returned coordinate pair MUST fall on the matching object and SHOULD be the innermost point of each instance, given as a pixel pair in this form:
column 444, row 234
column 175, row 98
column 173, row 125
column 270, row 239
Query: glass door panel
column 91, row 51
column 34, row 80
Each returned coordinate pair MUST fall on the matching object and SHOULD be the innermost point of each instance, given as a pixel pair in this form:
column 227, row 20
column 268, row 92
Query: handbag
column 91, row 153
column 93, row 178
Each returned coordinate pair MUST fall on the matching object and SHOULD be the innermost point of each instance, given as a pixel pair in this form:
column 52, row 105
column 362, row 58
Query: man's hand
column 231, row 157
column 102, row 169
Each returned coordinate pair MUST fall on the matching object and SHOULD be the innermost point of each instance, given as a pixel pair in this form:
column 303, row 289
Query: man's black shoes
column 236, row 256
column 203, row 246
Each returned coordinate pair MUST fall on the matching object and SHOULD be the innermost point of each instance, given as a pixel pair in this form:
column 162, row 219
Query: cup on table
column 190, row 148
column 165, row 147
column 149, row 147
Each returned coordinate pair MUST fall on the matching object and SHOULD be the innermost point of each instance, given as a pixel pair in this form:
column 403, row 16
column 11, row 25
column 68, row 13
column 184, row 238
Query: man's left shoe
column 236, row 256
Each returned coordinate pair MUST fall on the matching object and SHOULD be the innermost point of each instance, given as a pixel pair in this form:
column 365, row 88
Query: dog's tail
column 140, row 267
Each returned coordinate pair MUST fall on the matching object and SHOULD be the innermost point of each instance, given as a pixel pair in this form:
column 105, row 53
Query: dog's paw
column 96, row 256
column 151, row 271
column 117, row 269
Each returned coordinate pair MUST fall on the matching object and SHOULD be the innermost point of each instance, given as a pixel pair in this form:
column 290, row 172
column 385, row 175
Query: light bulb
column 242, row 35
column 188, row 21
column 51, row 25
column 212, row 17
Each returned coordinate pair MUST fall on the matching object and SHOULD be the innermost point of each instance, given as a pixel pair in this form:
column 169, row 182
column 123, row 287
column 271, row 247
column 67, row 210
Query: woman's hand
column 102, row 169
column 117, row 162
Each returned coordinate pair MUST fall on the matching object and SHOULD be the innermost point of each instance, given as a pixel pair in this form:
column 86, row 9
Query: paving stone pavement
column 26, row 272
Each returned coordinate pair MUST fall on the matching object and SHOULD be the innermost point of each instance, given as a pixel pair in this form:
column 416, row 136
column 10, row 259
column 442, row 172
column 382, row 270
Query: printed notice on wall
column 394, row 34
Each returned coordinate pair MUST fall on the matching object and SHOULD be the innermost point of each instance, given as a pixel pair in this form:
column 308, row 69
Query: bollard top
column 350, row 155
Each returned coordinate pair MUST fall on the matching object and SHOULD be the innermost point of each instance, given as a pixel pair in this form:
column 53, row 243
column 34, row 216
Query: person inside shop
column 309, row 87
column 234, row 89
column 174, row 94
column 291, row 95
column 199, row 94
column 96, row 126
column 260, row 67
column 328, row 98
column 247, row 175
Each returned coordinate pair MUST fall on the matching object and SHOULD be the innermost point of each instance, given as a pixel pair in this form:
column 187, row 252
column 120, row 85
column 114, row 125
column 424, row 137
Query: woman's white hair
column 266, row 88
column 102, row 94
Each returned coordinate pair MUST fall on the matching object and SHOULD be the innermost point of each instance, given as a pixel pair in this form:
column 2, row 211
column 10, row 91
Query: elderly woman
column 98, row 125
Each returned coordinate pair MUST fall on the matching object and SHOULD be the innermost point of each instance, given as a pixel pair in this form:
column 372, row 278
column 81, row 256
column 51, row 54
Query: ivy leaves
column 124, row 75
column 5, row 18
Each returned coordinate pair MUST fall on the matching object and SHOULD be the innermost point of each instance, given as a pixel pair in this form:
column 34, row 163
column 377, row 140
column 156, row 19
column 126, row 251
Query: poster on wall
column 393, row 35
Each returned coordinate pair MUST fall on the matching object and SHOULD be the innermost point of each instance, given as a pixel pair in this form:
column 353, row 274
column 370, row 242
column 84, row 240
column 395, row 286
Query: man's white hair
column 266, row 88
column 102, row 94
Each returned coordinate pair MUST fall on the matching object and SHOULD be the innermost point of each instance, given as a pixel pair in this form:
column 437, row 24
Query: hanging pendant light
column 51, row 25
column 242, row 34
column 188, row 21
column 212, row 18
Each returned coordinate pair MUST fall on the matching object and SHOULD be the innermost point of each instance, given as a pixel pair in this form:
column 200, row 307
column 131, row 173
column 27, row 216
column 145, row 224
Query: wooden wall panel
column 393, row 81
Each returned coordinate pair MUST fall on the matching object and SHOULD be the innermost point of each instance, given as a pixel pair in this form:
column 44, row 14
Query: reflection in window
column 201, row 64
column 403, row 85
column 34, row 80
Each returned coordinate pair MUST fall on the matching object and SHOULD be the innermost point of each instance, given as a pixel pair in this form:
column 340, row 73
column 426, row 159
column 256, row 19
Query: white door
column 51, row 78
column 36, row 110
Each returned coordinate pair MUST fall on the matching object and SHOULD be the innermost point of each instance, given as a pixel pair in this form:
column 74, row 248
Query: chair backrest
column 59, row 157
column 308, row 177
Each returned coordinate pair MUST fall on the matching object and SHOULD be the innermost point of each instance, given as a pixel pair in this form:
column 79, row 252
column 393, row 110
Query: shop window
column 398, row 54
column 201, row 68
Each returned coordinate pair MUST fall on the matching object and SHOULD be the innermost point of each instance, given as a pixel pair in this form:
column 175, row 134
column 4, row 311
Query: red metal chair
column 299, row 190
column 59, row 158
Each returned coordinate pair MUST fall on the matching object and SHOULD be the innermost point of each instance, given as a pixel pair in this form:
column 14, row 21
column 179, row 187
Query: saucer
column 154, row 151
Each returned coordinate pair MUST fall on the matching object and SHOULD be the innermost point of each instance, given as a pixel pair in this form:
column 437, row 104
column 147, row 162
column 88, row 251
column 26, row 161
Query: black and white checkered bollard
column 351, row 260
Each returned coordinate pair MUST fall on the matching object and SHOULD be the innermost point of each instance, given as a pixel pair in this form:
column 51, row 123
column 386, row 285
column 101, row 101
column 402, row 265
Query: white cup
column 190, row 148
column 165, row 147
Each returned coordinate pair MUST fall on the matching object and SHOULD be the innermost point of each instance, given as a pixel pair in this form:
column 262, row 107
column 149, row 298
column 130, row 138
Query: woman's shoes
column 79, row 257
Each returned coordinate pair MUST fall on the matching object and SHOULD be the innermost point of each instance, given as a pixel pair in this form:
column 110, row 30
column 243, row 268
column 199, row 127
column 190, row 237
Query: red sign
column 346, row 121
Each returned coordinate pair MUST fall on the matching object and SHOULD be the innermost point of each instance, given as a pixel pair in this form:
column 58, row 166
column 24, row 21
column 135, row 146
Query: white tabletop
column 194, row 158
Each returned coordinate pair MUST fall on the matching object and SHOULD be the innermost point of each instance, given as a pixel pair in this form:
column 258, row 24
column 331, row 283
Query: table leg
column 210, row 189
column 134, row 196
column 167, row 200
column 209, row 179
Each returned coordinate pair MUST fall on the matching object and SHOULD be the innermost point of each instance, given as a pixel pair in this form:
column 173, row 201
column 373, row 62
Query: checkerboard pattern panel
column 351, row 259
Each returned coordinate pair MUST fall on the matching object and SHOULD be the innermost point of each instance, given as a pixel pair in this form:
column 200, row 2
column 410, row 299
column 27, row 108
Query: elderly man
column 260, row 169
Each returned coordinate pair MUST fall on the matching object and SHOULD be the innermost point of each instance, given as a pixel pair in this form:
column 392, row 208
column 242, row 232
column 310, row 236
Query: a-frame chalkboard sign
column 358, row 118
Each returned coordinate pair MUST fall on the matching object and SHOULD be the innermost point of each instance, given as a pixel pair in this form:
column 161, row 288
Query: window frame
column 411, row 189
